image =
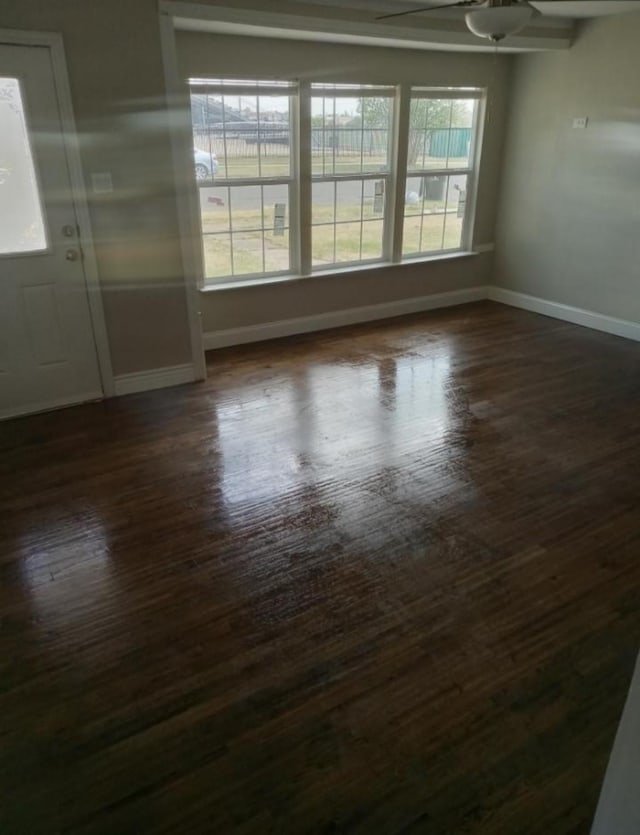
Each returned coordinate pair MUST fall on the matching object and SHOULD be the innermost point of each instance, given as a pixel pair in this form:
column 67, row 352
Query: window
column 242, row 149
column 439, row 168
column 22, row 228
column 299, row 178
column 350, row 166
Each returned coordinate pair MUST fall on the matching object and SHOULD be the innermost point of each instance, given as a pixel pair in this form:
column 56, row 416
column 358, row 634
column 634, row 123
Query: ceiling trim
column 580, row 9
column 444, row 34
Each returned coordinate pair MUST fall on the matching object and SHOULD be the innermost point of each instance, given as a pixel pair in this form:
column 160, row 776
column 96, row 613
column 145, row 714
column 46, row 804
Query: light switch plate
column 580, row 122
column 101, row 182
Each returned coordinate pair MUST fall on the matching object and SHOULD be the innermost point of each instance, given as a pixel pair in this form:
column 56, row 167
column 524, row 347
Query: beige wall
column 569, row 227
column 310, row 296
column 117, row 86
column 212, row 55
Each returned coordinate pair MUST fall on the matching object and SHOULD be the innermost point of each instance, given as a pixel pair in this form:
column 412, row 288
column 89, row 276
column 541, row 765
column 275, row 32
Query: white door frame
column 53, row 41
column 186, row 195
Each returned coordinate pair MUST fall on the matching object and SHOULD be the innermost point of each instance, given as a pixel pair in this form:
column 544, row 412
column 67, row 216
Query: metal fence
column 241, row 140
column 350, row 141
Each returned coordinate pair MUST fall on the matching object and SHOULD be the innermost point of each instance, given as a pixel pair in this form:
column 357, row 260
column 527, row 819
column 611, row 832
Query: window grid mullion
column 231, row 235
column 449, row 136
column 254, row 181
column 334, row 137
column 361, row 136
column 304, row 135
column 361, row 212
column 258, row 138
column 424, row 130
column 401, row 144
column 264, row 261
column 439, row 172
column 444, row 216
column 477, row 128
column 323, row 133
column 335, row 218
column 223, row 100
column 424, row 193
column 373, row 175
column 293, row 187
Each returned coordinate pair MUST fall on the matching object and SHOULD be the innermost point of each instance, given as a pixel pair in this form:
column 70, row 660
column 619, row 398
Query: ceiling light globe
column 498, row 21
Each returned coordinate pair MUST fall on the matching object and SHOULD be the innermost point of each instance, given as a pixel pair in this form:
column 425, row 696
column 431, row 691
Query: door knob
column 71, row 255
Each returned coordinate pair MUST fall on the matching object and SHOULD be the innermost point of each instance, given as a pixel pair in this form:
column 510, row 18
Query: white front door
column 47, row 349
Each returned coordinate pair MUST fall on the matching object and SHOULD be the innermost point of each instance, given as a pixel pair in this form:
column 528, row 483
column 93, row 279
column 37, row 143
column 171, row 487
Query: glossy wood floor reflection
column 380, row 580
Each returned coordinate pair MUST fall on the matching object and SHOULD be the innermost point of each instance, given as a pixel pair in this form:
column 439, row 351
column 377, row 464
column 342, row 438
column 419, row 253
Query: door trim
column 54, row 42
column 188, row 219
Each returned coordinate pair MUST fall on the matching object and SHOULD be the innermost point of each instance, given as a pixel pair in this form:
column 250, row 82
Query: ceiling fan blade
column 459, row 4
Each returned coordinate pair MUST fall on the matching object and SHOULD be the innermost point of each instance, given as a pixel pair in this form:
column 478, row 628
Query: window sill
column 254, row 281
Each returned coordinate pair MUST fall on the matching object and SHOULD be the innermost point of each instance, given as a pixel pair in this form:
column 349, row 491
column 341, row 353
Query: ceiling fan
column 495, row 19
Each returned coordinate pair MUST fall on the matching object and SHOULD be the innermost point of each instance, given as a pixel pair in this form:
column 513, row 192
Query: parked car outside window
column 206, row 164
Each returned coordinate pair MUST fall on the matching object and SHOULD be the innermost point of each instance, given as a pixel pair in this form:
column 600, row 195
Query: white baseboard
column 339, row 318
column 52, row 405
column 576, row 315
column 177, row 374
column 156, row 378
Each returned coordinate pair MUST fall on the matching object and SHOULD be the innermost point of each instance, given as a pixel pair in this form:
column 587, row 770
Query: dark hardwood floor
column 379, row 580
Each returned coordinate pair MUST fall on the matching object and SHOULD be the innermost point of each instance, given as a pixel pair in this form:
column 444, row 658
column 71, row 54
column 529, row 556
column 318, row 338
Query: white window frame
column 357, row 91
column 470, row 171
column 302, row 178
column 254, row 87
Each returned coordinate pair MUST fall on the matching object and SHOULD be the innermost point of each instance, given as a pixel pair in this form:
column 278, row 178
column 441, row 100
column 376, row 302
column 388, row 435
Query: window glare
column 22, row 228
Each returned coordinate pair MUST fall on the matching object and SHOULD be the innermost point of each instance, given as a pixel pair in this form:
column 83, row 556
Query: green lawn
column 343, row 243
column 247, row 254
column 439, row 231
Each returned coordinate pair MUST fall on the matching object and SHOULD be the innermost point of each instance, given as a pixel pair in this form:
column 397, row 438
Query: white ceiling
column 355, row 22
column 558, row 8
column 583, row 8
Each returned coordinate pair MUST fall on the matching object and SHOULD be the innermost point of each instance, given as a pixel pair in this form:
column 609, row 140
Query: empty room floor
column 376, row 580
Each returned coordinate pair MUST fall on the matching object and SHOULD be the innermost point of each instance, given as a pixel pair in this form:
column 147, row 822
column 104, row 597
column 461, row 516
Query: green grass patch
column 330, row 245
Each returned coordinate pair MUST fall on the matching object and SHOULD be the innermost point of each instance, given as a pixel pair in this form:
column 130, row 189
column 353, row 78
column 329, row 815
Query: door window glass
column 22, row 228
